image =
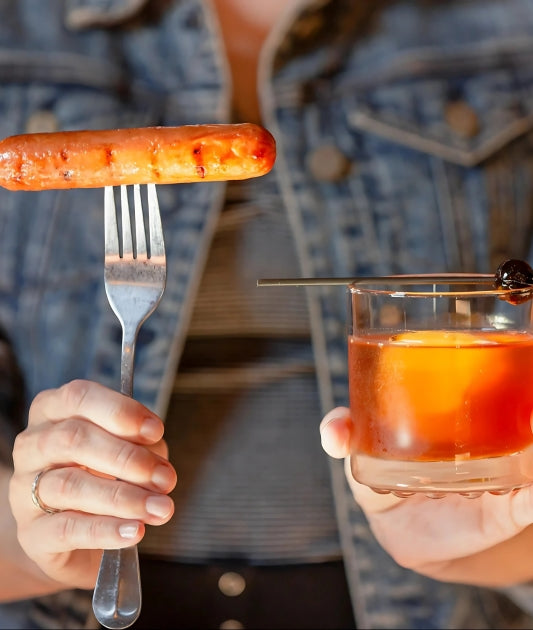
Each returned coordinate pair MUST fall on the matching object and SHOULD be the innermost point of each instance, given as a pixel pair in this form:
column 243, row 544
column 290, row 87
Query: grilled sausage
column 159, row 155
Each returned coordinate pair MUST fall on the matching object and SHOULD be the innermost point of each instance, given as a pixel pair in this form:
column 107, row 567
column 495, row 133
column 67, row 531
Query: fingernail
column 128, row 530
column 162, row 477
column 336, row 441
column 151, row 429
column 329, row 418
column 160, row 506
column 329, row 443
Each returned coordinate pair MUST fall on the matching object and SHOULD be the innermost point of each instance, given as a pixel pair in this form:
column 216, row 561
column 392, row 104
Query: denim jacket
column 404, row 145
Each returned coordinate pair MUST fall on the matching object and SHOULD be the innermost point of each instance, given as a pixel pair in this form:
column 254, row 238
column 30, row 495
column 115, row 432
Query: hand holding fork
column 134, row 281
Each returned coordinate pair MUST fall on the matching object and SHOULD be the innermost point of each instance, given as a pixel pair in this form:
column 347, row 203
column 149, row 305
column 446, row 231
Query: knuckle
column 73, row 393
column 65, row 436
column 126, row 455
column 64, row 482
column 19, row 448
column 118, row 494
column 37, row 400
column 66, row 525
column 94, row 530
column 75, row 531
column 100, row 532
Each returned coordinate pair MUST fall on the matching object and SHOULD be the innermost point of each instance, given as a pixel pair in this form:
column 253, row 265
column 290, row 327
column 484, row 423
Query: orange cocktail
column 442, row 395
column 441, row 388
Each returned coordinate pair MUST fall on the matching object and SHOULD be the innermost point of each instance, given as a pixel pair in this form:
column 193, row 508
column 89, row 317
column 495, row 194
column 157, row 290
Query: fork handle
column 127, row 360
column 117, row 593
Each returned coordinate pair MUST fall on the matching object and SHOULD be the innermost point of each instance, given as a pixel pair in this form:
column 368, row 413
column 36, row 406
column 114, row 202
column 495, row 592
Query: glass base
column 469, row 477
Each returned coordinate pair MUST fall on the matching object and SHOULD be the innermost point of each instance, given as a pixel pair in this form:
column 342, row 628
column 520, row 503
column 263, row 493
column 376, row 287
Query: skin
column 107, row 470
column 244, row 27
column 483, row 541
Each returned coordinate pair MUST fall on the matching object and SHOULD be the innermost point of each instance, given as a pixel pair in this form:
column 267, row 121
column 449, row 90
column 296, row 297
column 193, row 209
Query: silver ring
column 35, row 494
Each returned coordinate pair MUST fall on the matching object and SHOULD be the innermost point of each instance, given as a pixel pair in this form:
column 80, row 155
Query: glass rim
column 398, row 285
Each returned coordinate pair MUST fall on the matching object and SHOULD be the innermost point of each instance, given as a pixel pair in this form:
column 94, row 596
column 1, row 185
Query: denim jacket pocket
column 452, row 128
column 462, row 106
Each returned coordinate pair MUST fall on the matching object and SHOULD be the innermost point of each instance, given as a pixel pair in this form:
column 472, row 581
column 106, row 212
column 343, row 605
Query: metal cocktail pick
column 400, row 279
column 511, row 274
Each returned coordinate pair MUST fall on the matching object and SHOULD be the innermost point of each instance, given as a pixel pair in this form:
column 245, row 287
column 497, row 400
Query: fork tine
column 140, row 236
column 127, row 242
column 157, row 243
column 110, row 220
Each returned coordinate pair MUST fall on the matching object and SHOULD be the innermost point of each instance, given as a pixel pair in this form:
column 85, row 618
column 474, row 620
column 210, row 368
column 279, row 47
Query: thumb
column 336, row 430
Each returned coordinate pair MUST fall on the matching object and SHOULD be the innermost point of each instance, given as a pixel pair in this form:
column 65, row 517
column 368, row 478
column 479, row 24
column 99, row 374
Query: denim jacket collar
column 81, row 14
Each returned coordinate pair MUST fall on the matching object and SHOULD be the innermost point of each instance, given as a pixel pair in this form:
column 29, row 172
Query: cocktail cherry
column 515, row 274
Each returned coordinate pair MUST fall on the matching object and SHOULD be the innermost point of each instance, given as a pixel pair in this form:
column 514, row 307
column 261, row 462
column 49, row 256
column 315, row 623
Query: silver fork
column 134, row 282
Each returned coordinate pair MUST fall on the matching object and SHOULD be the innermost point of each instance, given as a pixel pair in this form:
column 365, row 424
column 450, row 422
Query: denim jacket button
column 327, row 163
column 41, row 121
column 231, row 584
column 462, row 119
